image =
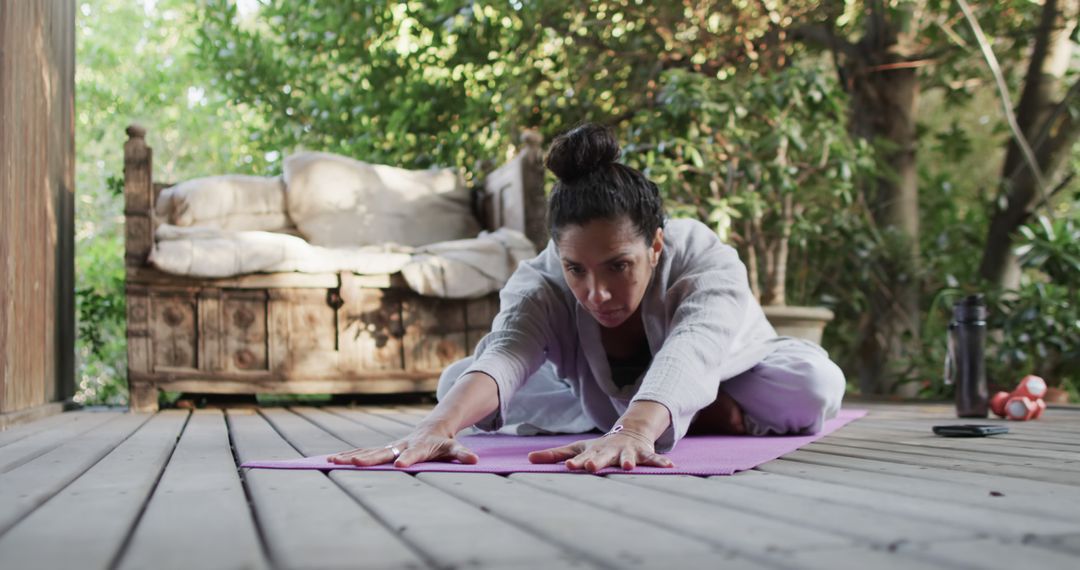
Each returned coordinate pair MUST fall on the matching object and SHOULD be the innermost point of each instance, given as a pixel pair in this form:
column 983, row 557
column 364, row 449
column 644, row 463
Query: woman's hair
column 593, row 186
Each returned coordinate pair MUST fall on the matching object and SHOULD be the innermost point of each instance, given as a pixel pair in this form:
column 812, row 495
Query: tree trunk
column 1050, row 131
column 884, row 106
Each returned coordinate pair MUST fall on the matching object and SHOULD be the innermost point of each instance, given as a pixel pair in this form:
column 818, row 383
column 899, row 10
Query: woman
column 641, row 327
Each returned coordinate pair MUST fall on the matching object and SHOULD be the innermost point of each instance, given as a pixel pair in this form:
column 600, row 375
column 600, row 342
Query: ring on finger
column 393, row 449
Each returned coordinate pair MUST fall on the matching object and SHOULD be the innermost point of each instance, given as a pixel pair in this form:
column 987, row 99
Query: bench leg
column 144, row 398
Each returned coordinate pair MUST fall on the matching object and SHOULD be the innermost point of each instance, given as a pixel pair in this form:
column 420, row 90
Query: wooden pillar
column 513, row 194
column 138, row 240
column 37, row 172
column 533, row 195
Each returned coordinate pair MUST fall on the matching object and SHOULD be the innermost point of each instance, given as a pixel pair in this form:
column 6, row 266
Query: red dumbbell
column 1023, row 403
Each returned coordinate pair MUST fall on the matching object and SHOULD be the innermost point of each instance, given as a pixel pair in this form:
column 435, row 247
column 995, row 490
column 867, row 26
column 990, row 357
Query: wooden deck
column 117, row 490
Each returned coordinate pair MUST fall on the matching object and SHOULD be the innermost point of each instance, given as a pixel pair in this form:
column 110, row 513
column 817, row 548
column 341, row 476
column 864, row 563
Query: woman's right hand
column 417, row 447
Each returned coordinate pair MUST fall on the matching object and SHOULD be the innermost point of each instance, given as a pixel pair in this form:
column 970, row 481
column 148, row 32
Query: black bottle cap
column 970, row 309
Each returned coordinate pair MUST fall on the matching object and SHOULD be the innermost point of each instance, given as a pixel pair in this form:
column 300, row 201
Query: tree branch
column 823, row 36
column 1006, row 102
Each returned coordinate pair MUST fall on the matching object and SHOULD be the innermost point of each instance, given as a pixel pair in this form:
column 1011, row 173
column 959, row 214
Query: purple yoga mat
column 695, row 455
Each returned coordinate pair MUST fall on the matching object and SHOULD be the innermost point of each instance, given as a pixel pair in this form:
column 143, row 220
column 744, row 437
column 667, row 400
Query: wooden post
column 138, row 240
column 513, row 194
column 138, row 198
column 532, row 182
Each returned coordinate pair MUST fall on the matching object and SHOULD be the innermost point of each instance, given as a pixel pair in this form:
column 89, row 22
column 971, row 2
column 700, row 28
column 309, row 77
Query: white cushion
column 336, row 201
column 230, row 202
column 455, row 269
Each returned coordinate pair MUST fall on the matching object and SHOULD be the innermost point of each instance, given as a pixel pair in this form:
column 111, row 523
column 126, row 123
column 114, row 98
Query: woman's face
column 608, row 267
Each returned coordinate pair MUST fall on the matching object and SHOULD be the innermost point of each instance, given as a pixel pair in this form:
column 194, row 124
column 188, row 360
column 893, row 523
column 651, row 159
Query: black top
column 626, row 371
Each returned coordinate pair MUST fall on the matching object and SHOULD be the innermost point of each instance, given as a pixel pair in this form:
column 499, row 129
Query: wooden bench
column 303, row 333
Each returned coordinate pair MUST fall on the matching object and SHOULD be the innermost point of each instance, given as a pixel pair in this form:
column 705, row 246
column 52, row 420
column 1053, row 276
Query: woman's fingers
column 464, row 454
column 656, row 460
column 556, row 454
column 413, row 455
column 346, row 457
column 628, row 459
column 601, row 458
column 366, row 456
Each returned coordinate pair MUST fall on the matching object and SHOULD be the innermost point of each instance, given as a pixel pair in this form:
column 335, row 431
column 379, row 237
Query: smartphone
column 970, row 430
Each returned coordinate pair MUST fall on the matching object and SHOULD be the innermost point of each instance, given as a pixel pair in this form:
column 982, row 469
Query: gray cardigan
column 702, row 322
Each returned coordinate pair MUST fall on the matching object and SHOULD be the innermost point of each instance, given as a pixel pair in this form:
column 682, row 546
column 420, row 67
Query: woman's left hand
column 593, row 455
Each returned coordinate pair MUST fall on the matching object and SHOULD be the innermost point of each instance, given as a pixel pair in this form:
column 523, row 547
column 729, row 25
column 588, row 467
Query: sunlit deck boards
column 116, row 490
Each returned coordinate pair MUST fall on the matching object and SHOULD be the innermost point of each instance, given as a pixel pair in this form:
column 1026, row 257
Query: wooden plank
column 992, row 468
column 9, row 420
column 753, row 533
column 211, row 349
column 1014, row 437
column 393, row 414
column 1018, row 431
column 447, row 531
column 1068, row 543
column 421, row 410
column 140, row 359
column 289, row 383
column 307, row 437
column 451, row 532
column 199, row 500
column 35, row 445
column 26, row 487
column 1063, row 463
column 146, row 275
column 988, row 553
column 928, row 440
column 861, row 557
column 1011, row 443
column 390, row 427
column 970, row 493
column 607, row 538
column 307, row 521
column 844, row 520
column 903, row 504
column 354, row 434
column 1054, row 418
column 277, row 331
column 12, row 434
column 95, row 514
column 989, row 482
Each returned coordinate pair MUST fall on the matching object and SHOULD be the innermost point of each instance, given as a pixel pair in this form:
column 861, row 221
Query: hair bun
column 581, row 151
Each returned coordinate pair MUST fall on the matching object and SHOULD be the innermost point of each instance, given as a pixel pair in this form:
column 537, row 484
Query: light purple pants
column 793, row 390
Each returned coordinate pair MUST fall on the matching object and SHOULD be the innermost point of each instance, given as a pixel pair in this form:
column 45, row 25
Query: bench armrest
column 512, row 196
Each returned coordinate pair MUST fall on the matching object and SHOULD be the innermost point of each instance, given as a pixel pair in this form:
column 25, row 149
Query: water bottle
column 967, row 340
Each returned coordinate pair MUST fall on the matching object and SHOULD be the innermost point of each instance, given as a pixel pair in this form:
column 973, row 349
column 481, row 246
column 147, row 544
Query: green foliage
column 101, row 347
column 1053, row 247
column 1039, row 329
column 136, row 63
column 1040, row 323
column 766, row 158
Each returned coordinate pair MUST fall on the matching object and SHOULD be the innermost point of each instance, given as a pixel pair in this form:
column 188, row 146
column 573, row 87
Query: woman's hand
column 416, row 448
column 615, row 449
column 472, row 398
